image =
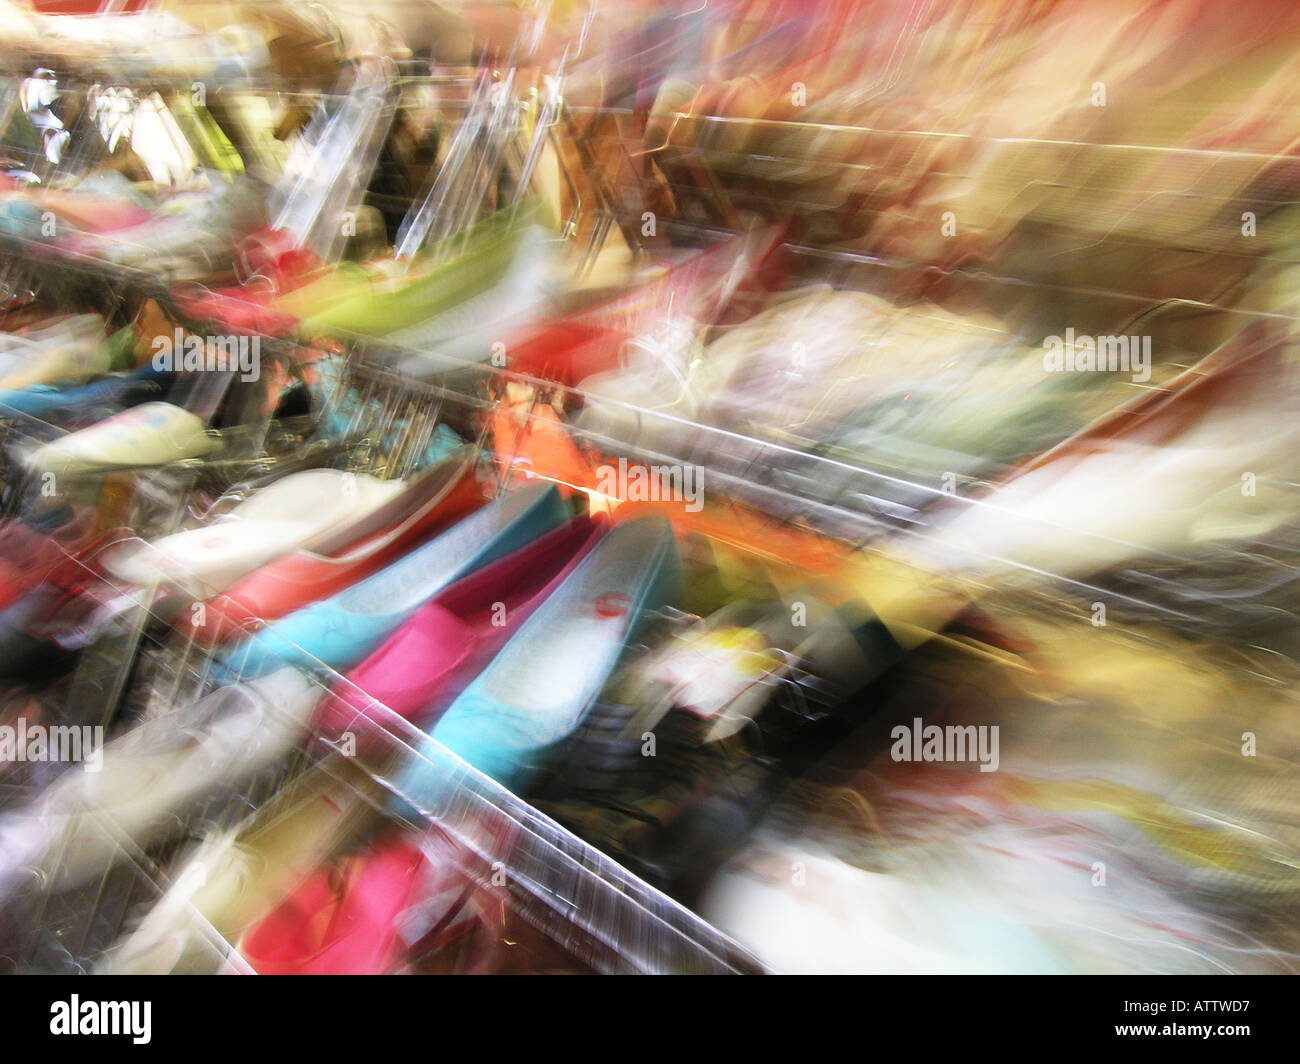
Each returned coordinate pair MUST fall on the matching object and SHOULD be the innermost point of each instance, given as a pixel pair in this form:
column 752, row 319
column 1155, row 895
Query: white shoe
column 296, row 512
column 233, row 877
column 152, row 779
column 152, row 434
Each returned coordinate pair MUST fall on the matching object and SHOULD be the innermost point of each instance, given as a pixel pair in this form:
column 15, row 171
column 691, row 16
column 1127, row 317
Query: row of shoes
column 526, row 642
column 496, row 637
column 744, row 705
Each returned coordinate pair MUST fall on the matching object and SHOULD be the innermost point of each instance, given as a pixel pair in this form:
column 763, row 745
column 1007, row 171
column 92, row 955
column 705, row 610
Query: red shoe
column 721, row 285
column 446, row 493
column 565, row 351
column 29, row 558
column 271, row 266
column 344, row 918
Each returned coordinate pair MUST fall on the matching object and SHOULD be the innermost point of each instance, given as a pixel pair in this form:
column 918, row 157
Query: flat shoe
column 149, row 435
column 289, row 513
column 427, row 661
column 153, row 777
column 540, row 687
column 341, row 630
column 431, row 502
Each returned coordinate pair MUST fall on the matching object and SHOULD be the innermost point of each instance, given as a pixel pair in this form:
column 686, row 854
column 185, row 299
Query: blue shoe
column 341, row 630
column 21, row 218
column 120, row 392
column 537, row 691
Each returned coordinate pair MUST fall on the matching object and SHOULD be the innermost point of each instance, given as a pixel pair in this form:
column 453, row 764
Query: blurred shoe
column 707, row 287
column 430, row 503
column 529, row 439
column 343, row 920
column 537, row 691
column 21, row 218
column 466, row 332
column 197, row 229
column 271, row 268
column 563, row 350
column 112, row 393
column 650, row 402
column 80, row 209
column 341, row 630
column 28, row 557
column 44, row 632
column 152, row 779
column 149, row 435
column 428, row 661
column 1161, row 474
column 292, row 512
column 69, row 350
column 431, row 285
column 232, row 877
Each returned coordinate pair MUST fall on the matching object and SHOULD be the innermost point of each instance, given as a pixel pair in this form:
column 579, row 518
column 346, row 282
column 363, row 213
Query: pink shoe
column 343, row 919
column 421, row 668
